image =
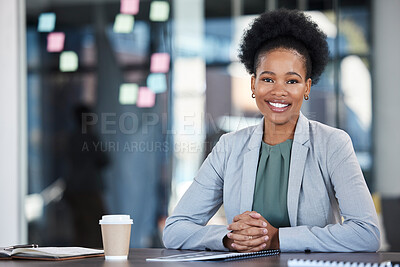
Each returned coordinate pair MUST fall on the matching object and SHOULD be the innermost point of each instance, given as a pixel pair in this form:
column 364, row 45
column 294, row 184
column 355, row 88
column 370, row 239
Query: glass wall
column 98, row 109
column 127, row 98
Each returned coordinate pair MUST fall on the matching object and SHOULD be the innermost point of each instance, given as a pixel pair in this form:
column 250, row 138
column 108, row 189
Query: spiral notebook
column 215, row 256
column 320, row 263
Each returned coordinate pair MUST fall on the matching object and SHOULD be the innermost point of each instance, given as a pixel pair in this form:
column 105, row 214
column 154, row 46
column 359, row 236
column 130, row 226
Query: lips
column 278, row 107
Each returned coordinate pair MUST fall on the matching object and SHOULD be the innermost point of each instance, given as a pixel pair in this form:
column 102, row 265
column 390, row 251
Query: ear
column 253, row 83
column 308, row 86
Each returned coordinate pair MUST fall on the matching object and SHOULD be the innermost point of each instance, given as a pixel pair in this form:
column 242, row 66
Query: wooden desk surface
column 137, row 258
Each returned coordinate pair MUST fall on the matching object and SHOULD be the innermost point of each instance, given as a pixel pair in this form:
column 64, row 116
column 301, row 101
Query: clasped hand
column 250, row 232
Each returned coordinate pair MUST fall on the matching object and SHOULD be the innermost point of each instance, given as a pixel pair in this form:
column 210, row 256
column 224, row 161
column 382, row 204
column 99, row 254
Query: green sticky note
column 68, row 61
column 128, row 93
column 159, row 11
column 123, row 23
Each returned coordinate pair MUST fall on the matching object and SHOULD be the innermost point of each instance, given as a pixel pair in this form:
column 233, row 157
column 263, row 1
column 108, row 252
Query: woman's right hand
column 249, row 233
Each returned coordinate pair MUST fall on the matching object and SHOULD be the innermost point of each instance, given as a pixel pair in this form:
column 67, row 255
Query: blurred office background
column 110, row 106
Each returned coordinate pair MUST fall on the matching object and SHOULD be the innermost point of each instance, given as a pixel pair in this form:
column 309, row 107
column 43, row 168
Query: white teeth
column 278, row 105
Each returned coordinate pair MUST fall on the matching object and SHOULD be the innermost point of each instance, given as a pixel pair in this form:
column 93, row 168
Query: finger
column 241, row 248
column 244, row 224
column 241, row 216
column 255, row 215
column 253, row 231
column 252, row 242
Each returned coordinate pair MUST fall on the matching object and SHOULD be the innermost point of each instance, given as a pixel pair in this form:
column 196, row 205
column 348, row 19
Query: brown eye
column 268, row 80
column 292, row 82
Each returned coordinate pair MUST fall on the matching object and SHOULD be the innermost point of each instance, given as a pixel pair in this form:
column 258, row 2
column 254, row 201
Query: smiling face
column 279, row 86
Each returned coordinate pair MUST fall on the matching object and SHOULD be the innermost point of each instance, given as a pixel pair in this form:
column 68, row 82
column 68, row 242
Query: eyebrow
column 287, row 73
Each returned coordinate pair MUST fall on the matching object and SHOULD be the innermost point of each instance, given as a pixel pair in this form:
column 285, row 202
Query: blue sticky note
column 47, row 22
column 157, row 82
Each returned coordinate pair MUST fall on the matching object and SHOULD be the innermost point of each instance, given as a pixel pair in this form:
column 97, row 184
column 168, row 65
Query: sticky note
column 157, row 82
column 159, row 62
column 128, row 93
column 146, row 98
column 123, row 23
column 130, row 7
column 47, row 22
column 68, row 61
column 159, row 11
column 55, row 41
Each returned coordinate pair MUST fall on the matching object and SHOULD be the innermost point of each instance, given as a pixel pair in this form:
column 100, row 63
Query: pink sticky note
column 146, row 98
column 159, row 62
column 55, row 41
column 130, row 7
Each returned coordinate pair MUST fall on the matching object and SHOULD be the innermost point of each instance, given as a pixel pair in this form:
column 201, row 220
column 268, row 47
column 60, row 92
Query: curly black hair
column 290, row 29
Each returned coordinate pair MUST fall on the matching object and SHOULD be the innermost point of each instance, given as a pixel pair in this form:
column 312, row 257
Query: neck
column 276, row 133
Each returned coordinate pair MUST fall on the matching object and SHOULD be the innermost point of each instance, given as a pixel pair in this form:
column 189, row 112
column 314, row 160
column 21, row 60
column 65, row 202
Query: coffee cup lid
column 116, row 219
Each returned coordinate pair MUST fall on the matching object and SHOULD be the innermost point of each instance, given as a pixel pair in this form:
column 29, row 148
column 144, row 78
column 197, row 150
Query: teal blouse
column 270, row 192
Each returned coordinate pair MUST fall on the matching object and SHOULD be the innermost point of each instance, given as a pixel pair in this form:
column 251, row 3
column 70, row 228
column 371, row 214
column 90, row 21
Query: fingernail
column 229, row 235
column 228, row 228
column 264, row 224
column 265, row 231
column 263, row 245
column 266, row 238
column 233, row 245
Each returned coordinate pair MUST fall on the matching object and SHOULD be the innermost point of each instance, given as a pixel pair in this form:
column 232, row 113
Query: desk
column 137, row 258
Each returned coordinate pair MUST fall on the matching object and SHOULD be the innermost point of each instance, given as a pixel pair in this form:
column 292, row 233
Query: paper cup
column 116, row 234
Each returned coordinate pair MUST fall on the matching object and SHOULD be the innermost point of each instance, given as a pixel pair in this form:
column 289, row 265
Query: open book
column 215, row 255
column 50, row 253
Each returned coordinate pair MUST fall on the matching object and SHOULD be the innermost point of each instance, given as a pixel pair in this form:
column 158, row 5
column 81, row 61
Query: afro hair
column 289, row 29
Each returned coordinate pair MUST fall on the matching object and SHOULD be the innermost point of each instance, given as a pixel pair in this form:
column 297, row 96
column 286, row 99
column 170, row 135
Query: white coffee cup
column 116, row 234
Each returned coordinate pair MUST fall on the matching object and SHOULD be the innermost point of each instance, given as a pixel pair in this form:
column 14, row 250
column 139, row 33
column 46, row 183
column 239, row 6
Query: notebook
column 321, row 263
column 51, row 253
column 215, row 255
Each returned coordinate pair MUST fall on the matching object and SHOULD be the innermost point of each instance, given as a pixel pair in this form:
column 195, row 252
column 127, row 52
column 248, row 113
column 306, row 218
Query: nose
column 279, row 90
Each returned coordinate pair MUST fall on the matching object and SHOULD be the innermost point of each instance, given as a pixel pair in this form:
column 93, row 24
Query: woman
column 288, row 183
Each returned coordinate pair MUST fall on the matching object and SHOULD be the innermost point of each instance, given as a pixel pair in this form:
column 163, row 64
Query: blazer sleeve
column 186, row 228
column 359, row 230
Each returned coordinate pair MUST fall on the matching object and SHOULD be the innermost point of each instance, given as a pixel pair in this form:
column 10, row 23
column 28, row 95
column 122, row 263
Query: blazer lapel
column 297, row 164
column 249, row 169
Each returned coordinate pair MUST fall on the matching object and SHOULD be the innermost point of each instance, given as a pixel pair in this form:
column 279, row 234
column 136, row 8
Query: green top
column 270, row 192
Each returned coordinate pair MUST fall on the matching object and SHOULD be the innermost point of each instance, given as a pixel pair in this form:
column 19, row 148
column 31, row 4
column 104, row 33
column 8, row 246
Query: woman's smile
column 278, row 106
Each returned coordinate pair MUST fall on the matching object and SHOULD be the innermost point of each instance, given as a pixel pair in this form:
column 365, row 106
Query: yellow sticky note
column 128, row 93
column 159, row 11
column 123, row 23
column 68, row 61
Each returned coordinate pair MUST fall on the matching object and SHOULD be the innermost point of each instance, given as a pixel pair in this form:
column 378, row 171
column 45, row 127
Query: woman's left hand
column 251, row 232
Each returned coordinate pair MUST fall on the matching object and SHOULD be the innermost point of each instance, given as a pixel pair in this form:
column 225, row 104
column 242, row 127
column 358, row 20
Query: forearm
column 349, row 237
column 188, row 235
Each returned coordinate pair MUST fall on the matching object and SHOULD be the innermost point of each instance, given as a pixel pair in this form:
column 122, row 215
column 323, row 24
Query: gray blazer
column 325, row 186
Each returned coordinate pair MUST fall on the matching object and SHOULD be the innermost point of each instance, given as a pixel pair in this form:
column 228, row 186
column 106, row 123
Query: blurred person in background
column 84, row 182
column 288, row 183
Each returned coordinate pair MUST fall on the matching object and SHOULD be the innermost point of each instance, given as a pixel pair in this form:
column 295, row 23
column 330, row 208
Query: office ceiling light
column 157, row 82
column 68, row 61
column 159, row 62
column 47, row 22
column 146, row 98
column 55, row 41
column 159, row 11
column 130, row 7
column 128, row 93
column 123, row 23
